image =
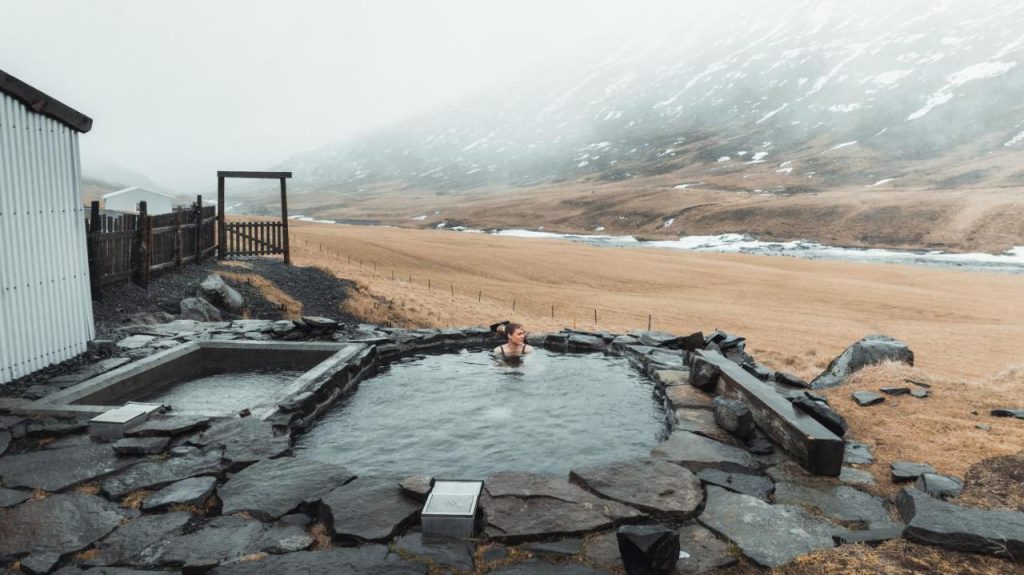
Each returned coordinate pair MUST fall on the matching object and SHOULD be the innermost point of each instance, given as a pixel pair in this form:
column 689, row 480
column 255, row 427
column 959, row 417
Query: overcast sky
column 178, row 90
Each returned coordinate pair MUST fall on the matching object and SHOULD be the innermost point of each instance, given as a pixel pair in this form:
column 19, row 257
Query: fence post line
column 141, row 257
column 284, row 223
column 595, row 316
column 513, row 305
column 552, row 311
column 479, row 295
column 93, row 249
column 177, row 238
column 453, row 289
column 428, row 284
column 222, row 232
column 648, row 322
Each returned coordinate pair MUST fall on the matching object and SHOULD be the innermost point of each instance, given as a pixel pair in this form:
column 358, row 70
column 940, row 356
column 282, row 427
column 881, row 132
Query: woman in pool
column 516, row 345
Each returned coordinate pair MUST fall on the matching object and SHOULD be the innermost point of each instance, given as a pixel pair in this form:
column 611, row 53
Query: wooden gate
column 253, row 238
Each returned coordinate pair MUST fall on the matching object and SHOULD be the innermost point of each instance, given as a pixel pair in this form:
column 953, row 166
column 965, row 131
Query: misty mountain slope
column 841, row 93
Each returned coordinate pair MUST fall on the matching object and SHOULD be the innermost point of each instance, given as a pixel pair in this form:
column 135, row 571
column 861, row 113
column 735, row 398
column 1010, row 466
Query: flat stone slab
column 416, row 486
column 840, row 502
column 870, row 536
column 156, row 474
column 450, row 553
column 933, row 522
column 704, row 551
column 702, row 422
column 89, row 371
column 686, row 396
column 12, row 497
column 245, row 439
column 560, row 548
column 135, row 341
column 191, row 491
column 754, row 485
column 852, row 476
column 73, row 570
column 273, row 487
column 769, row 535
column 61, row 523
column 857, row 453
column 696, row 452
column 141, row 445
column 5, row 440
column 671, row 377
column 58, row 469
column 168, row 425
column 909, row 471
column 365, row 560
column 940, row 486
column 229, row 538
column 656, row 487
column 539, row 567
column 137, row 542
column 524, row 506
column 368, row 508
column 866, row 398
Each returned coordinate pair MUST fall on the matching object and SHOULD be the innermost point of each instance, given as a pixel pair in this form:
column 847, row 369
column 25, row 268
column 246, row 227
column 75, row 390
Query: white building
column 127, row 200
column 45, row 302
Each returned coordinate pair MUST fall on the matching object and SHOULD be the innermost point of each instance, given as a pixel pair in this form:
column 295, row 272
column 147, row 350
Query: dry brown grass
column 290, row 309
column 897, row 557
column 88, row 488
column 321, row 536
column 134, row 499
column 88, row 554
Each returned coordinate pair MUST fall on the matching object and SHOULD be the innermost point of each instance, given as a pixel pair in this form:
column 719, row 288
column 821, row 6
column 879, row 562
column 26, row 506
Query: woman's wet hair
column 512, row 327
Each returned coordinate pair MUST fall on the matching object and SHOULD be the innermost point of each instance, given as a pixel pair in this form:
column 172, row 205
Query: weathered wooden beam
column 284, row 221
column 221, row 235
column 262, row 175
column 816, row 448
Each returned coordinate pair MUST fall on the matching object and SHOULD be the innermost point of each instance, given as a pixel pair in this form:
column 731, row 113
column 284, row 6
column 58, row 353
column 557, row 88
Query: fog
column 178, row 90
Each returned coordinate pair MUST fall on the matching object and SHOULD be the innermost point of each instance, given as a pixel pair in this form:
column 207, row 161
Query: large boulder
column 868, row 351
column 214, row 290
column 199, row 309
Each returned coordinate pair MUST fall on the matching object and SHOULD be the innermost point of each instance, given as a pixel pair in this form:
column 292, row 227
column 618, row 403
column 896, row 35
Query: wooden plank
column 198, row 216
column 259, row 175
column 92, row 249
column 115, row 278
column 163, row 266
column 816, row 448
column 222, row 231
column 177, row 239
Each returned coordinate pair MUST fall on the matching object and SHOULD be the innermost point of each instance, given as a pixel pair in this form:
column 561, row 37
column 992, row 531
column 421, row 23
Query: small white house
column 127, row 200
column 45, row 302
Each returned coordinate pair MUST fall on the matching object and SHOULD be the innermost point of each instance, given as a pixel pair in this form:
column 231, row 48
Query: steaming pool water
column 469, row 415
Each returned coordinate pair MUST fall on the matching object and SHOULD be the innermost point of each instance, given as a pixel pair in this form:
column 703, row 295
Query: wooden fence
column 127, row 247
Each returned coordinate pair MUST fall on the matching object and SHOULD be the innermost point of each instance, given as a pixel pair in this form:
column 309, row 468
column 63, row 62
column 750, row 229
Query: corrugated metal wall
column 45, row 303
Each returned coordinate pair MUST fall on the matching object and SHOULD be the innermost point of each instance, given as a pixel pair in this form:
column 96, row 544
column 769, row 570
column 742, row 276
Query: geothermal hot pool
column 468, row 415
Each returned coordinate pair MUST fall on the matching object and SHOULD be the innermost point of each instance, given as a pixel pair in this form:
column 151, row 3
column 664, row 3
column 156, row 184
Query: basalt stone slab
column 757, row 370
column 895, row 390
column 417, row 486
column 940, row 486
column 73, row 570
column 702, row 422
column 656, row 487
column 866, row 398
column 582, row 342
column 58, row 469
column 857, row 453
column 140, row 541
column 364, row 560
column 14, row 424
column 1018, row 413
column 560, row 548
column 696, row 452
column 786, row 378
column 754, row 485
column 821, row 412
column 523, row 506
column 540, row 567
column 245, row 440
column 89, row 371
column 920, row 393
column 451, row 553
column 648, row 549
column 770, row 535
column 841, row 502
column 12, row 497
column 852, row 476
column 671, row 377
column 659, row 358
column 368, row 508
column 156, row 474
column 51, row 427
column 39, row 563
column 656, row 338
column 141, row 445
column 5, row 440
column 909, row 471
column 933, row 522
column 733, row 416
column 870, row 536
column 704, row 374
column 135, row 341
column 191, row 491
column 229, row 538
column 168, row 425
column 60, row 523
column 273, row 487
column 704, row 552
column 686, row 396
